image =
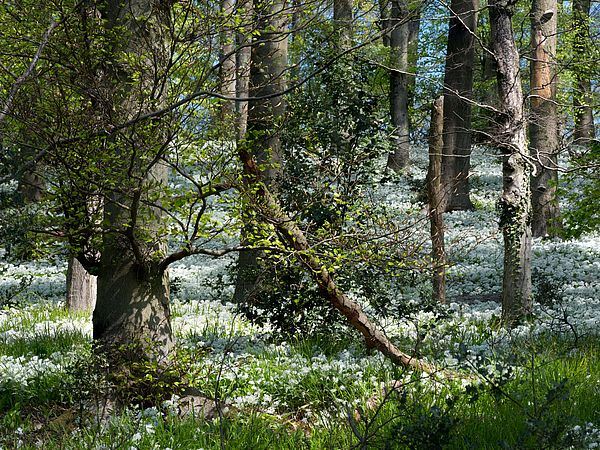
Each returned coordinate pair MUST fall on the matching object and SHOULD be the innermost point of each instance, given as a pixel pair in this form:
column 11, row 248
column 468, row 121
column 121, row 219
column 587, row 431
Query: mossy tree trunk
column 515, row 202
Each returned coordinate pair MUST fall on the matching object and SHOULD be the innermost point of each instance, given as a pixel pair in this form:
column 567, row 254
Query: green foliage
column 147, row 381
column 582, row 191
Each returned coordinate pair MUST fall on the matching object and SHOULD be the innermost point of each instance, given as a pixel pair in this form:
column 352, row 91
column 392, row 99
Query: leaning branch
column 295, row 239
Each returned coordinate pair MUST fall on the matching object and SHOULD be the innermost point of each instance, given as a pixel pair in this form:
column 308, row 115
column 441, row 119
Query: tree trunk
column 81, row 288
column 515, row 203
column 413, row 55
column 227, row 72
column 243, row 56
column 399, row 36
column 267, row 77
column 458, row 92
column 384, row 22
column 343, row 17
column 582, row 98
column 435, row 196
column 132, row 308
column 543, row 122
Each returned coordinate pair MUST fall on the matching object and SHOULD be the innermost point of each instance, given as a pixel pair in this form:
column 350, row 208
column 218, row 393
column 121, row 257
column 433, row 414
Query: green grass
column 555, row 387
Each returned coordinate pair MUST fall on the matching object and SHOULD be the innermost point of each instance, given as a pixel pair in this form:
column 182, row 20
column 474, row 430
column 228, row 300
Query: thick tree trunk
column 435, row 196
column 399, row 40
column 543, row 123
column 582, row 98
column 515, row 203
column 267, row 77
column 458, row 91
column 132, row 308
column 81, row 288
column 132, row 311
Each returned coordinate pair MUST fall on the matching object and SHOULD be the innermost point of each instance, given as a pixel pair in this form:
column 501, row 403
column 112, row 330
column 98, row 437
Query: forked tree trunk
column 81, row 288
column 458, row 91
column 582, row 98
column 543, row 122
column 267, row 77
column 515, row 203
column 399, row 40
column 435, row 197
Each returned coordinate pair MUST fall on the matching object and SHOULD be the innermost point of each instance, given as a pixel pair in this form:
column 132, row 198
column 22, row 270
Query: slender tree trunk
column 399, row 39
column 384, row 22
column 243, row 56
column 227, row 72
column 435, row 195
column 515, row 203
column 343, row 18
column 413, row 55
column 543, row 124
column 582, row 98
column 267, row 77
column 132, row 309
column 458, row 91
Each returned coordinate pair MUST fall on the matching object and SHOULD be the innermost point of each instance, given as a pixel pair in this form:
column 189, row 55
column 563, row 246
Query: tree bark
column 543, row 122
column 458, row 92
column 399, row 40
column 267, row 78
column 132, row 309
column 343, row 18
column 81, row 288
column 435, row 197
column 227, row 72
column 582, row 98
column 515, row 203
column 414, row 26
column 243, row 56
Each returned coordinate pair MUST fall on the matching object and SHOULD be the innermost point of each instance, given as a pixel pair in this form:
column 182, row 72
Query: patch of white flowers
column 236, row 348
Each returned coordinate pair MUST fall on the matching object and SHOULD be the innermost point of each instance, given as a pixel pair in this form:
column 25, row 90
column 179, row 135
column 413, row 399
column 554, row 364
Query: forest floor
column 536, row 386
